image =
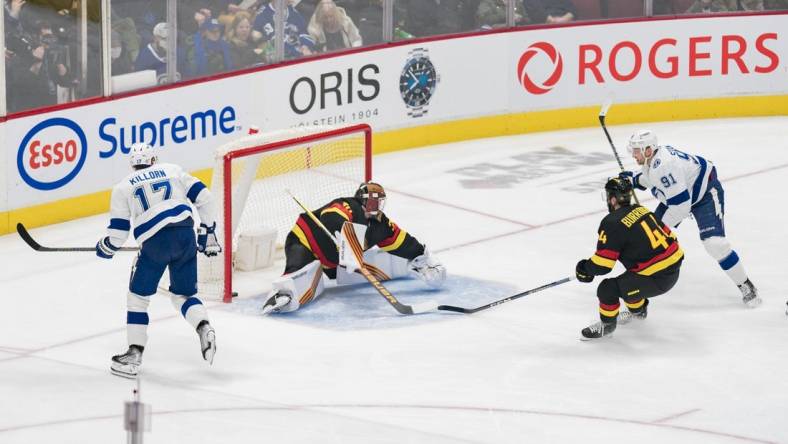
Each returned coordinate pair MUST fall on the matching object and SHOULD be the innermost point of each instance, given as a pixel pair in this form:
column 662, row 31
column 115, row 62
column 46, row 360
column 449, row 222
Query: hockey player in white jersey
column 155, row 201
column 687, row 184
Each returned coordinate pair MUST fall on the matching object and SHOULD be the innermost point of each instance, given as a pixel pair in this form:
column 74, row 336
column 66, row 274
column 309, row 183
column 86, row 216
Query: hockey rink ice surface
column 504, row 215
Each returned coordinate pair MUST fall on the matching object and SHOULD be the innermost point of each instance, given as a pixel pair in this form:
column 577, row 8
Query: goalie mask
column 141, row 155
column 619, row 188
column 372, row 197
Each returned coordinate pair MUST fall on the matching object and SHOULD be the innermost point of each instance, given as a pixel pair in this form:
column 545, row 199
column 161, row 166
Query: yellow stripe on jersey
column 663, row 264
column 335, row 210
column 603, row 261
column 397, row 243
column 608, row 313
column 301, row 237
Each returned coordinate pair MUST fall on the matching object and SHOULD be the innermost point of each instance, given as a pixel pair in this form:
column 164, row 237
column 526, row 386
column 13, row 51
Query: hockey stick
column 602, row 115
column 25, row 235
column 313, row 217
column 504, row 300
column 355, row 246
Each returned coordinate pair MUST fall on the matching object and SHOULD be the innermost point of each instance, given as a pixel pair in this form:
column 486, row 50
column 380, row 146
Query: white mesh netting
column 315, row 172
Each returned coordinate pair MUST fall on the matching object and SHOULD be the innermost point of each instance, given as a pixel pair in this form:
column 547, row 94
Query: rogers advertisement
column 648, row 61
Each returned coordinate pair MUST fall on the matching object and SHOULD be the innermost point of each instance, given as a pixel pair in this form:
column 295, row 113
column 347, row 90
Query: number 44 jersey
column 634, row 236
column 152, row 198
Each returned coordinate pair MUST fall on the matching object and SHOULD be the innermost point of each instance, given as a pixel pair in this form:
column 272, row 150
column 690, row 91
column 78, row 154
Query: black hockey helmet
column 372, row 197
column 621, row 189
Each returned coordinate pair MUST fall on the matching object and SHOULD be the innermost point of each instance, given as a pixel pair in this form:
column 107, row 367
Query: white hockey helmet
column 641, row 140
column 141, row 154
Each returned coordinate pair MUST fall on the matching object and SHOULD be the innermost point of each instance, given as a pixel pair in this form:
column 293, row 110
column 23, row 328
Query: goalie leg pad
column 720, row 249
column 303, row 286
column 137, row 319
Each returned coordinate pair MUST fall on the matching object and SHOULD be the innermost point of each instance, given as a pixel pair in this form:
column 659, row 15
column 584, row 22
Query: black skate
column 597, row 330
column 128, row 364
column 276, row 302
column 749, row 294
column 207, row 341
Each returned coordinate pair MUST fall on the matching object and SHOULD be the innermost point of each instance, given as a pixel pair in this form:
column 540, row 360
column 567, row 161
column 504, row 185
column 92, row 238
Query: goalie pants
column 173, row 248
column 634, row 289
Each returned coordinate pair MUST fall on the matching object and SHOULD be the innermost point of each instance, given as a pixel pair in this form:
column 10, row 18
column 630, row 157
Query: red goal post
column 253, row 174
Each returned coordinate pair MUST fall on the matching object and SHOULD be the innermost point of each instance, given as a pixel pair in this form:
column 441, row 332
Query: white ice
column 349, row 369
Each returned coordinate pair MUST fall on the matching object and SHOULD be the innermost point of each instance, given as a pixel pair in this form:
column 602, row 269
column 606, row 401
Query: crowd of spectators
column 215, row 36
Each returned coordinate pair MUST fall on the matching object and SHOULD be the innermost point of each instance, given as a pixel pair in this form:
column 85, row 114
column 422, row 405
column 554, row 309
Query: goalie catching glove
column 207, row 243
column 428, row 269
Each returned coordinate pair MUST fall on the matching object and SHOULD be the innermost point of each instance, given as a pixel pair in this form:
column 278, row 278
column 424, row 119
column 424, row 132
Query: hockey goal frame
column 227, row 165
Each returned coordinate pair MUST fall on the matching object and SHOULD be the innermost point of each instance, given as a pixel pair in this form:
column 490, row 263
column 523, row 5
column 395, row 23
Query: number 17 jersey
column 152, row 198
column 635, row 237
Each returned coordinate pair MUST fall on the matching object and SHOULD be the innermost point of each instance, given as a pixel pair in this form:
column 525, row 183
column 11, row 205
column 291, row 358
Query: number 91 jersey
column 149, row 199
column 642, row 243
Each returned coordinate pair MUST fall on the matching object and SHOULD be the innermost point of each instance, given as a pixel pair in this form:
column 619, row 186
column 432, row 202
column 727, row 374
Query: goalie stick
column 355, row 246
column 25, row 235
column 504, row 300
column 602, row 115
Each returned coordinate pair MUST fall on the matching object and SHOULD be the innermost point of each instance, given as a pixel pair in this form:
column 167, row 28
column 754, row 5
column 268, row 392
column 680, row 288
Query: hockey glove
column 207, row 243
column 581, row 273
column 428, row 269
column 105, row 249
column 633, row 178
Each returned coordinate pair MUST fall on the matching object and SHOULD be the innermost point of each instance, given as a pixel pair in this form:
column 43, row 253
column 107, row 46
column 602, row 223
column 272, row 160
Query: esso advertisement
column 52, row 153
column 649, row 61
column 56, row 151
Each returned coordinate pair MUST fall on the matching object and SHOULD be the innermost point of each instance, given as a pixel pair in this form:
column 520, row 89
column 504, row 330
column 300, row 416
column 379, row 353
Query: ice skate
column 276, row 302
column 749, row 294
column 597, row 330
column 128, row 364
column 625, row 317
column 207, row 341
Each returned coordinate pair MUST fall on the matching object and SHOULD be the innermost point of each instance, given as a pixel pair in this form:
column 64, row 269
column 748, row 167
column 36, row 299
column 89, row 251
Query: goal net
column 253, row 175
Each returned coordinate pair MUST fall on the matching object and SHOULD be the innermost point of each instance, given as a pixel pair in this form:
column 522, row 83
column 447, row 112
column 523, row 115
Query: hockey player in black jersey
column 647, row 248
column 310, row 252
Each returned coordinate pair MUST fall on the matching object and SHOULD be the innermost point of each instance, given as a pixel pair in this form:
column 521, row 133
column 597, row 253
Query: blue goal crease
column 359, row 306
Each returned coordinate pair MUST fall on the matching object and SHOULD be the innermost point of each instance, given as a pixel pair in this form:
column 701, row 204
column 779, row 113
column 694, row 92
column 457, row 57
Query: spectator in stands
column 244, row 51
column 154, row 55
column 332, row 29
column 556, row 11
column 298, row 42
column 492, row 13
column 707, row 6
column 211, row 52
column 369, row 20
column 121, row 59
column 41, row 67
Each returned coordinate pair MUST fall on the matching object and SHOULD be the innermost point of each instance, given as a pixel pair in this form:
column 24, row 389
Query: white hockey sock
column 137, row 319
column 191, row 308
column 720, row 249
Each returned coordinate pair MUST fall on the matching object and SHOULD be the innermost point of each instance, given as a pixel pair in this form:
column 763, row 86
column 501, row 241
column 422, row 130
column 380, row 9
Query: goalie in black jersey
column 310, row 252
column 647, row 248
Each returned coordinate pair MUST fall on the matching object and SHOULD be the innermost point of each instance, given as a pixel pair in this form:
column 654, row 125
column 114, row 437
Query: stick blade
column 26, row 237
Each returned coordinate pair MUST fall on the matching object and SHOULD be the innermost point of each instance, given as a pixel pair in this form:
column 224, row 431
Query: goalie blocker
column 311, row 252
